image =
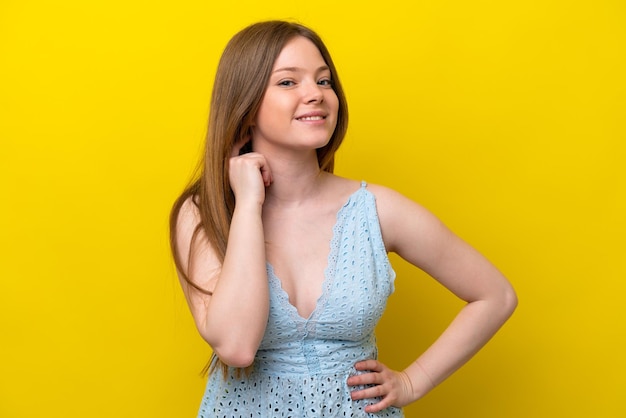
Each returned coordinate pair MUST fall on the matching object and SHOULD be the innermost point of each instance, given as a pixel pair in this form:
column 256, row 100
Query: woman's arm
column 233, row 318
column 420, row 238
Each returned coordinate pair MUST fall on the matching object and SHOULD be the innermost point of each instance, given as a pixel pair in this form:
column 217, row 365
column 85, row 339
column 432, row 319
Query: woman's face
column 299, row 108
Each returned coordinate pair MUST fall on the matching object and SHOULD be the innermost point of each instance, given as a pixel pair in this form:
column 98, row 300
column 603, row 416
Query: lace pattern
column 302, row 364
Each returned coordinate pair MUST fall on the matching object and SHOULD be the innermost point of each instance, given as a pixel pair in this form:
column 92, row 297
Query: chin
column 318, row 143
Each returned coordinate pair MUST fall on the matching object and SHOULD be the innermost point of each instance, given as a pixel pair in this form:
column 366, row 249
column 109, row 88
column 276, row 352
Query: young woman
column 284, row 264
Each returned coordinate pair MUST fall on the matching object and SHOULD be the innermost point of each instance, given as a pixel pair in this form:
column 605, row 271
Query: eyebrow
column 298, row 69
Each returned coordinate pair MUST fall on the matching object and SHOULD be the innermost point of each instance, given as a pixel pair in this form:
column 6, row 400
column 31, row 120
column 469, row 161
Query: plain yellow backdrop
column 506, row 119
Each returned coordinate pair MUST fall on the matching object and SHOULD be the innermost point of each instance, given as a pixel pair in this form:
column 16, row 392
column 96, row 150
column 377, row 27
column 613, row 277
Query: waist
column 314, row 357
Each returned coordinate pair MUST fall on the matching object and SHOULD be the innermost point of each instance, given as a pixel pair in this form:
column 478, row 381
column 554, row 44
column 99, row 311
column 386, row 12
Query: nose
column 313, row 93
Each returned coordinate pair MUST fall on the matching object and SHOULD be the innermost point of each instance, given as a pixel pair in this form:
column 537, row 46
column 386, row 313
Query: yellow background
column 506, row 119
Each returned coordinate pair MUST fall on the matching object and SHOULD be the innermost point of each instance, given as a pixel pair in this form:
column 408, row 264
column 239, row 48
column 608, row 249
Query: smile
column 305, row 118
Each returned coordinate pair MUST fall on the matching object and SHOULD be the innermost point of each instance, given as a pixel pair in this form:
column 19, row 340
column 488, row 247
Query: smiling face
column 299, row 108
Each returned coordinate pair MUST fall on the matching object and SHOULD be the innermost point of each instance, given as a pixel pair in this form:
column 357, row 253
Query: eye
column 286, row 83
column 327, row 82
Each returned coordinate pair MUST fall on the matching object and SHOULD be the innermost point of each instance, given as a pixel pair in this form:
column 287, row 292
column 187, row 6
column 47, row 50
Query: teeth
column 312, row 118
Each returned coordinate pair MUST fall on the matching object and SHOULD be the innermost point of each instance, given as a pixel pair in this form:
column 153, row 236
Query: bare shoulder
column 189, row 211
column 390, row 204
column 386, row 197
column 187, row 221
column 197, row 257
column 402, row 219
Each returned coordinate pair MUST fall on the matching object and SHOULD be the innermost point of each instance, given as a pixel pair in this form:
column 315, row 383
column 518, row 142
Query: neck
column 294, row 181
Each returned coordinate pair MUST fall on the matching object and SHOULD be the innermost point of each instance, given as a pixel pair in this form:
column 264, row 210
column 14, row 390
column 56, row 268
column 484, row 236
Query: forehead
column 299, row 52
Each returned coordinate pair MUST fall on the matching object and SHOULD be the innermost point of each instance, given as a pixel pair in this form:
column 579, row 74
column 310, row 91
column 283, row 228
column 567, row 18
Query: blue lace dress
column 302, row 364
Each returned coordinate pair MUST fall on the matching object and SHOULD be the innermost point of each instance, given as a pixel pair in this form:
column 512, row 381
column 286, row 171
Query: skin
column 282, row 199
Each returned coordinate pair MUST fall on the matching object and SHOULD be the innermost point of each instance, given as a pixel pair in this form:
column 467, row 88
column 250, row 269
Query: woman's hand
column 392, row 386
column 249, row 175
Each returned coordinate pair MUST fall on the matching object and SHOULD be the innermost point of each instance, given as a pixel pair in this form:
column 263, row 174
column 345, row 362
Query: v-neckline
column 329, row 271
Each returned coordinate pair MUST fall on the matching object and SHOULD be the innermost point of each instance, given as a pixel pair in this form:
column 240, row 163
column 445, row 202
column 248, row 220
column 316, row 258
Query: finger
column 377, row 391
column 266, row 173
column 372, row 365
column 379, row 406
column 365, row 379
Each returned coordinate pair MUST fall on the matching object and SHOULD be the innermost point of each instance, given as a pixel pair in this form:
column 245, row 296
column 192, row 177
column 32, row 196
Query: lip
column 315, row 114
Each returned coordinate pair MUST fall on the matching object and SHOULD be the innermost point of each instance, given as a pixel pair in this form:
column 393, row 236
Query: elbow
column 509, row 301
column 233, row 354
column 237, row 358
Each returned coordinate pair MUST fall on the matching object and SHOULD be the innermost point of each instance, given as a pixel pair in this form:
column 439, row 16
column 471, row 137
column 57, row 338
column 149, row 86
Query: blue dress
column 302, row 364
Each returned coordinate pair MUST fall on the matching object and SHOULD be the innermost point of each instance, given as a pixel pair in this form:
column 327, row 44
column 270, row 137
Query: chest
column 297, row 247
column 356, row 283
column 353, row 279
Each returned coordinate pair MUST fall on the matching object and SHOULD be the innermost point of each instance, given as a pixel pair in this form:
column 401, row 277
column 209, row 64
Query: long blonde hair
column 240, row 83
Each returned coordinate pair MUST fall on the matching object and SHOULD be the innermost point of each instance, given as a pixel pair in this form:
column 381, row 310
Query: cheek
column 276, row 104
column 267, row 112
